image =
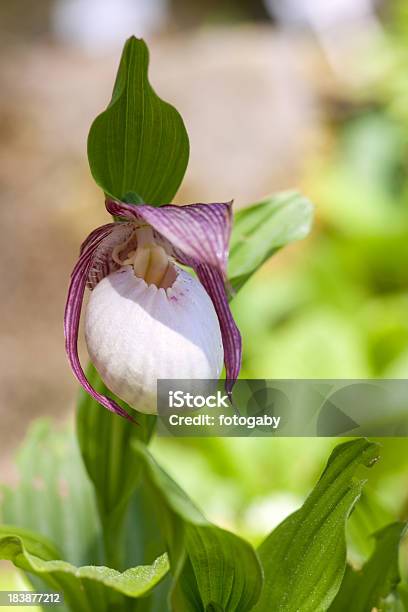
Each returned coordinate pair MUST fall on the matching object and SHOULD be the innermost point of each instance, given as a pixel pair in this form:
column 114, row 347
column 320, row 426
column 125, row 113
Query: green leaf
column 143, row 542
column 304, row 558
column 368, row 588
column 87, row 588
column 213, row 569
column 139, row 143
column 234, row 580
column 263, row 228
column 54, row 496
column 105, row 442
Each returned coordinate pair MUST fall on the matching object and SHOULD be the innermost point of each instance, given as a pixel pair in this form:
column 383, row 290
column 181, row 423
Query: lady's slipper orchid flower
column 147, row 318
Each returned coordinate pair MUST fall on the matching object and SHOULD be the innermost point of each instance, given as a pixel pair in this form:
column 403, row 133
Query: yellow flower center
column 149, row 260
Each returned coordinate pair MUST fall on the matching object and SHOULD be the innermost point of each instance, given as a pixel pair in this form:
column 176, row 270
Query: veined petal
column 102, row 262
column 95, row 236
column 79, row 279
column 213, row 282
column 198, row 235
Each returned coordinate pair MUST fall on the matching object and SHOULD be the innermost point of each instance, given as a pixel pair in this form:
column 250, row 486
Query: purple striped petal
column 95, row 243
column 213, row 282
column 200, row 232
column 199, row 237
column 102, row 262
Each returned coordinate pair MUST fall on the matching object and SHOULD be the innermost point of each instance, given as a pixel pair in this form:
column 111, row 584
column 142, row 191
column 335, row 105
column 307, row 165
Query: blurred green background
column 335, row 306
column 275, row 96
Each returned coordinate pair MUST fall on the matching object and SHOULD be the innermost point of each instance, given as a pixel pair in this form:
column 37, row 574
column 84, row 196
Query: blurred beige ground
column 251, row 111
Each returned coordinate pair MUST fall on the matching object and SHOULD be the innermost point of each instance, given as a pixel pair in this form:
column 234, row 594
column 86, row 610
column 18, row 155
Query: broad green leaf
column 139, row 143
column 87, row 588
column 105, row 442
column 226, row 571
column 304, row 558
column 368, row 588
column 143, row 542
column 213, row 568
column 263, row 228
column 54, row 496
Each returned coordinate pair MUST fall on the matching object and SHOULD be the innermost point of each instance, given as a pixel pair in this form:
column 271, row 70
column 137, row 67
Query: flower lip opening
column 149, row 260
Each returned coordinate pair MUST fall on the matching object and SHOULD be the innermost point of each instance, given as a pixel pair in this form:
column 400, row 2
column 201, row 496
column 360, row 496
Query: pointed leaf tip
column 139, row 143
column 304, row 558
